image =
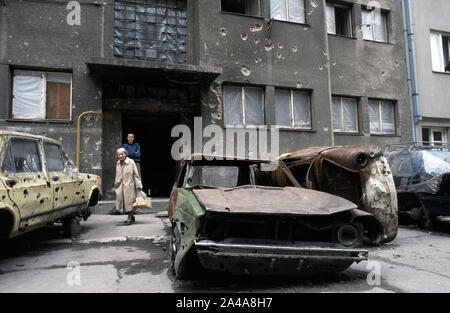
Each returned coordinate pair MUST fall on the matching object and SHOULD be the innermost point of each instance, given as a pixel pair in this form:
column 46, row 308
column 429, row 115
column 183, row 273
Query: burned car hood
column 271, row 200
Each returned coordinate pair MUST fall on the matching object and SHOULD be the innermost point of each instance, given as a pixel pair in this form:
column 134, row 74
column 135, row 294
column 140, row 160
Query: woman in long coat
column 126, row 184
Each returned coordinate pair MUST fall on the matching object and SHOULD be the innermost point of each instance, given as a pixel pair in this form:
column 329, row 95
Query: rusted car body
column 359, row 174
column 422, row 178
column 39, row 185
column 239, row 221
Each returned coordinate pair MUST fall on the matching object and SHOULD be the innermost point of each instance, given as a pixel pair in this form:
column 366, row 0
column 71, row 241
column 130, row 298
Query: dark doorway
column 153, row 133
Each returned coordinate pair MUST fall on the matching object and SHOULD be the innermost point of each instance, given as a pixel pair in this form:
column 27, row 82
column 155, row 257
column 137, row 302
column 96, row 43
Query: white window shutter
column 437, row 55
column 28, row 95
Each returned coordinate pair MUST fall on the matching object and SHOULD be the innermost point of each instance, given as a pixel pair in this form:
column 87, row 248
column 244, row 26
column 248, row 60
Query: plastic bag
column 142, row 201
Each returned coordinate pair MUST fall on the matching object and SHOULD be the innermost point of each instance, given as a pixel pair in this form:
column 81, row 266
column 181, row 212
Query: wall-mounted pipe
column 79, row 132
column 411, row 67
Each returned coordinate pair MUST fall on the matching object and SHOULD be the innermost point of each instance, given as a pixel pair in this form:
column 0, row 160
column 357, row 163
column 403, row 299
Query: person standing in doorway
column 134, row 152
column 126, row 185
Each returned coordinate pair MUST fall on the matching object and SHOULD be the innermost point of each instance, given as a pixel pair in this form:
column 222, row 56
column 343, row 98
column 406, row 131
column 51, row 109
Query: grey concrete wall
column 367, row 69
column 291, row 57
column 304, row 56
column 36, row 35
column 434, row 93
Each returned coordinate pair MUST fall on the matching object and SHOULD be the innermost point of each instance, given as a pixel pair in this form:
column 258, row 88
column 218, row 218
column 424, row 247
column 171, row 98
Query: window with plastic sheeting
column 374, row 25
column 26, row 156
column 246, row 7
column 41, row 95
column 338, row 20
column 288, row 10
column 292, row 109
column 345, row 114
column 381, row 117
column 243, row 105
column 8, row 167
column 53, row 157
column 153, row 30
column 440, row 50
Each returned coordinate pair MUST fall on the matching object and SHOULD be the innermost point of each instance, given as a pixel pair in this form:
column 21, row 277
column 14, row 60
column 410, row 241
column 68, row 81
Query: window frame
column 246, row 9
column 291, row 109
column 342, row 126
column 60, row 153
column 243, row 107
column 349, row 17
column 443, row 62
column 372, row 14
column 431, row 141
column 380, row 117
column 43, row 76
column 287, row 13
column 39, row 154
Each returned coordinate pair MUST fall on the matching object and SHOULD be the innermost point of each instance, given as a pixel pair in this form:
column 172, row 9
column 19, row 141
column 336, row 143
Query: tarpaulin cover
column 419, row 171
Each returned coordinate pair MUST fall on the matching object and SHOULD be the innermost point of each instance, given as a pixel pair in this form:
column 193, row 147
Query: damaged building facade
column 324, row 72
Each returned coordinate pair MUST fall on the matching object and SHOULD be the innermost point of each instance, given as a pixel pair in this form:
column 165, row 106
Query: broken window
column 26, row 157
column 292, row 108
column 243, row 105
column 41, row 95
column 247, row 7
column 288, row 10
column 374, row 25
column 8, row 162
column 345, row 114
column 339, row 20
column 440, row 47
column 53, row 157
column 153, row 30
column 381, row 117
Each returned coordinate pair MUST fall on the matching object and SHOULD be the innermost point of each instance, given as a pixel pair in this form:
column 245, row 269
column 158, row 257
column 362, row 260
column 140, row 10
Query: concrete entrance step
column 158, row 205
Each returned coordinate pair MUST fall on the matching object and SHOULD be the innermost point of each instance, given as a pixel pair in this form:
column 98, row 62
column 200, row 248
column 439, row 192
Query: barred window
column 152, row 30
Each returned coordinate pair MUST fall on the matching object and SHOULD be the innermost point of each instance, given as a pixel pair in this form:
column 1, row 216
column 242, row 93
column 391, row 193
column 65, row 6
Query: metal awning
column 130, row 71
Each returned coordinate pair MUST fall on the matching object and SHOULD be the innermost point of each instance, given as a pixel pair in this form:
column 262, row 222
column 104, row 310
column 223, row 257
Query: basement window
column 243, row 106
column 345, row 115
column 339, row 20
column 292, row 109
column 374, row 25
column 246, row 7
column 432, row 136
column 288, row 10
column 381, row 117
column 41, row 95
column 440, row 47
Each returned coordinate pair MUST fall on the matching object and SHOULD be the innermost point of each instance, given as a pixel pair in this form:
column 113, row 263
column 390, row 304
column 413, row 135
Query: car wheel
column 71, row 226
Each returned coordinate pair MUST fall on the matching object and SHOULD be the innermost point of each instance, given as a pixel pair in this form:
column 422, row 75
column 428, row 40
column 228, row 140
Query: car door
column 68, row 195
column 26, row 183
column 176, row 186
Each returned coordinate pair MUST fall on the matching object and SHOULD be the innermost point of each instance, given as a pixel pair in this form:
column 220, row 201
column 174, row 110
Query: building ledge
column 125, row 70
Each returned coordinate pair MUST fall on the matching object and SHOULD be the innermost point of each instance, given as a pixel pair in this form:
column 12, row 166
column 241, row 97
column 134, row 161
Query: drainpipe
column 79, row 131
column 411, row 67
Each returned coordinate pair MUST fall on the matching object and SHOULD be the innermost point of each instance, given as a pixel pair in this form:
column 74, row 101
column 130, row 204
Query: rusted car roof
column 272, row 200
column 343, row 156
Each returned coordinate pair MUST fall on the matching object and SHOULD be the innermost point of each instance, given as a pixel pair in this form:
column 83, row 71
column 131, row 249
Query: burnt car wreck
column 422, row 178
column 239, row 221
column 358, row 174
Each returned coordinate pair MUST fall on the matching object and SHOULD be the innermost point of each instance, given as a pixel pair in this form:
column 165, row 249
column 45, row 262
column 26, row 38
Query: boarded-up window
column 244, row 105
column 381, row 117
column 152, row 30
column 292, row 108
column 288, row 10
column 345, row 114
column 41, row 95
